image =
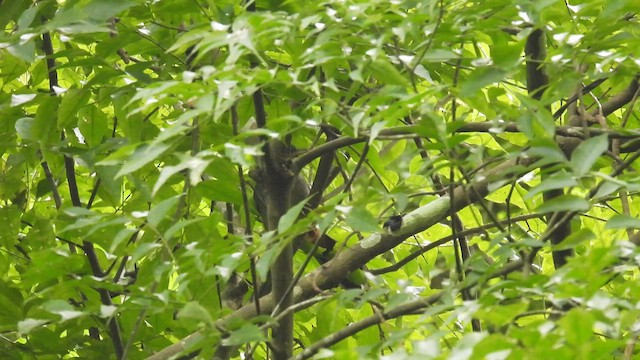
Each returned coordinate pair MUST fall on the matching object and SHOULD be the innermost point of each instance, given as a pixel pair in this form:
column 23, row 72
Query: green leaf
column 375, row 130
column 24, row 51
column 223, row 189
column 174, row 228
column 26, row 18
column 621, row 221
column 576, row 238
column 193, row 310
column 439, row 55
column 19, row 99
column 63, row 309
column 586, row 154
column 161, row 210
column 547, row 149
column 25, row 326
column 142, row 155
column 386, row 73
column 479, row 79
column 101, row 10
column 263, row 265
column 195, row 164
column 290, row 217
column 555, row 181
column 247, row 333
column 501, row 315
column 237, row 154
column 360, row 219
column 564, row 203
column 25, row 128
column 45, row 126
column 326, row 320
column 72, row 101
column 11, row 9
column 93, row 125
column 578, row 326
column 143, row 250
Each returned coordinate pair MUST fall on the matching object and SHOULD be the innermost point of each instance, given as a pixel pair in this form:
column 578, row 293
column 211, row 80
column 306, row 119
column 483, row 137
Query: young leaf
column 386, row 73
column 159, row 211
column 586, row 154
column 291, row 216
column 555, row 181
column 193, row 310
column 621, row 221
column 361, row 220
column 142, row 155
column 564, row 203
column 246, row 334
column 72, row 101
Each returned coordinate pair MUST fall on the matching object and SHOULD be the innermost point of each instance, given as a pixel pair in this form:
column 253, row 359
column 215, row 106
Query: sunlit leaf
column 247, row 333
column 553, row 182
column 162, row 210
column 193, row 310
column 621, row 221
column 72, row 101
column 586, row 154
column 564, row 203
column 290, row 216
column 140, row 157
column 361, row 219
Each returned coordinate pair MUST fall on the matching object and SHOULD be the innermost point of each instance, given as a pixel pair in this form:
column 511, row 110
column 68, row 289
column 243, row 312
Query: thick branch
column 537, row 82
column 621, row 99
column 330, row 274
column 487, row 126
column 277, row 182
column 535, row 50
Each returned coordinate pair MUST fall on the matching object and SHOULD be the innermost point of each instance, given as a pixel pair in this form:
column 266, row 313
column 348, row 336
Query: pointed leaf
column 142, row 156
column 575, row 239
column 386, row 73
column 623, row 222
column 565, row 203
column 555, row 181
column 360, row 219
column 159, row 211
column 586, row 154
column 246, row 334
column 291, row 216
column 72, row 101
column 193, row 310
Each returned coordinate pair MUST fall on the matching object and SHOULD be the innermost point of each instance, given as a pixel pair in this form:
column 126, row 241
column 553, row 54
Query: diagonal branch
column 409, row 308
column 622, row 98
column 333, row 272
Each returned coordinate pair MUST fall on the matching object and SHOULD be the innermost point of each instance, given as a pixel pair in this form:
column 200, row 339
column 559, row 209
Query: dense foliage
column 495, row 138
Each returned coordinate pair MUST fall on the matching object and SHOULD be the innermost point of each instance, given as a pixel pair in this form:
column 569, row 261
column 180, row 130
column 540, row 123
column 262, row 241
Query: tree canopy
column 341, row 179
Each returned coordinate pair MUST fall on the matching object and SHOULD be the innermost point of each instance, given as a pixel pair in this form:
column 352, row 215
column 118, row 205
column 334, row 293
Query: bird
column 299, row 191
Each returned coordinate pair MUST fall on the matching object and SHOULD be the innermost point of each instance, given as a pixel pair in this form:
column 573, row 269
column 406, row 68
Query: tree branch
column 621, row 99
column 446, row 239
column 537, row 83
column 404, row 309
column 87, row 246
column 310, row 155
column 333, row 272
